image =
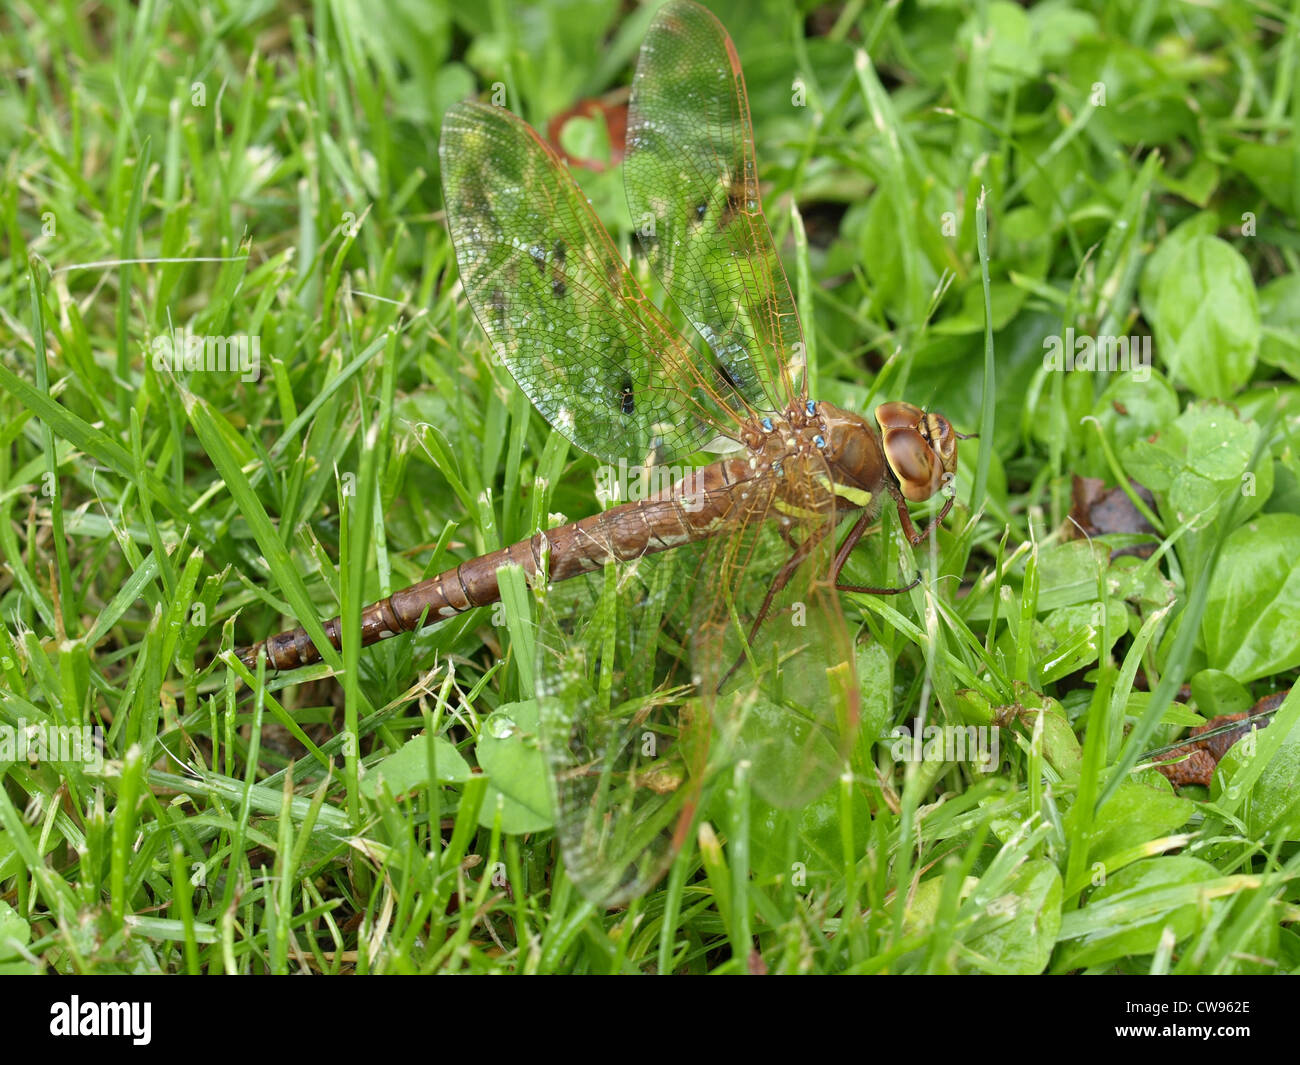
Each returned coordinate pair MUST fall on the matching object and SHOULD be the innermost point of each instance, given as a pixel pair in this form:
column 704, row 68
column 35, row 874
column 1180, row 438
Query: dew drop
column 501, row 726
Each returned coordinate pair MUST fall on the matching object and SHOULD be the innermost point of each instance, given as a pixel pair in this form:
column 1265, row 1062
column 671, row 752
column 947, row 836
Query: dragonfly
column 697, row 626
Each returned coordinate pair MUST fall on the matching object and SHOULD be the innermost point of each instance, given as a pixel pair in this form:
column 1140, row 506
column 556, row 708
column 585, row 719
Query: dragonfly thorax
column 912, row 453
column 855, row 456
column 810, row 441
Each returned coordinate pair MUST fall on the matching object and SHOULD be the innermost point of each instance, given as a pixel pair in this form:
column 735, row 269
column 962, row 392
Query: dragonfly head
column 920, row 447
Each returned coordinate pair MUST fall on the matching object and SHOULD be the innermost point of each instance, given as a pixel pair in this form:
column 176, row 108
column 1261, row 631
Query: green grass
column 238, row 171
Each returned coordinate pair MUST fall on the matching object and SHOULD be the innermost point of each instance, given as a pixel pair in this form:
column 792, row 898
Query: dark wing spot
column 499, row 307
column 559, row 289
column 627, row 401
column 701, row 209
column 735, row 196
column 646, row 243
column 726, row 375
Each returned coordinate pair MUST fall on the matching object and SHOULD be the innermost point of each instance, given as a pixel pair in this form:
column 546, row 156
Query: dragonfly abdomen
column 710, row 501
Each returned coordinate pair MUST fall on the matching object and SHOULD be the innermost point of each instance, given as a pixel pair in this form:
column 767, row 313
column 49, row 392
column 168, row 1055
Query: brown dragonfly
column 656, row 669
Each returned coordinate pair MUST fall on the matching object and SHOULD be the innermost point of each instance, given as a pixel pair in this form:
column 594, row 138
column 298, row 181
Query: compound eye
column 899, row 416
column 918, row 469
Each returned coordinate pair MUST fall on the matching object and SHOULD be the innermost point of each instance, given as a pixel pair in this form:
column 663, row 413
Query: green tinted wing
column 692, row 185
column 595, row 356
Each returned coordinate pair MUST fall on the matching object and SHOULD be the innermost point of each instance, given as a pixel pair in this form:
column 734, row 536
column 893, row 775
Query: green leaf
column 1067, row 572
column 508, row 752
column 1207, row 319
column 1013, row 55
column 1024, row 943
column 1128, row 914
column 875, row 682
column 14, row 933
column 1023, row 240
column 1286, row 488
column 1198, row 462
column 1273, row 807
column 1005, row 300
column 1215, row 692
column 1142, row 809
column 1071, row 637
column 1251, row 627
column 1061, row 746
column 1147, row 406
column 1202, row 224
column 1270, row 167
column 821, row 835
column 881, row 253
column 1058, row 28
column 1279, row 310
column 1196, row 184
column 407, row 768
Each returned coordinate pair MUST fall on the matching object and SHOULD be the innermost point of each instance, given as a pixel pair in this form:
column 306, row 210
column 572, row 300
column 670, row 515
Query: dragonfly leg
column 859, row 530
column 851, row 541
column 909, row 530
column 792, row 564
column 866, row 589
column 842, row 556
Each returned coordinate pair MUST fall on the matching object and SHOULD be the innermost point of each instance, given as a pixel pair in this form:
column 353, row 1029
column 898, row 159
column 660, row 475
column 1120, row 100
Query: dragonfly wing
column 784, row 698
column 563, row 312
column 624, row 734
column 692, row 186
column 640, row 705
